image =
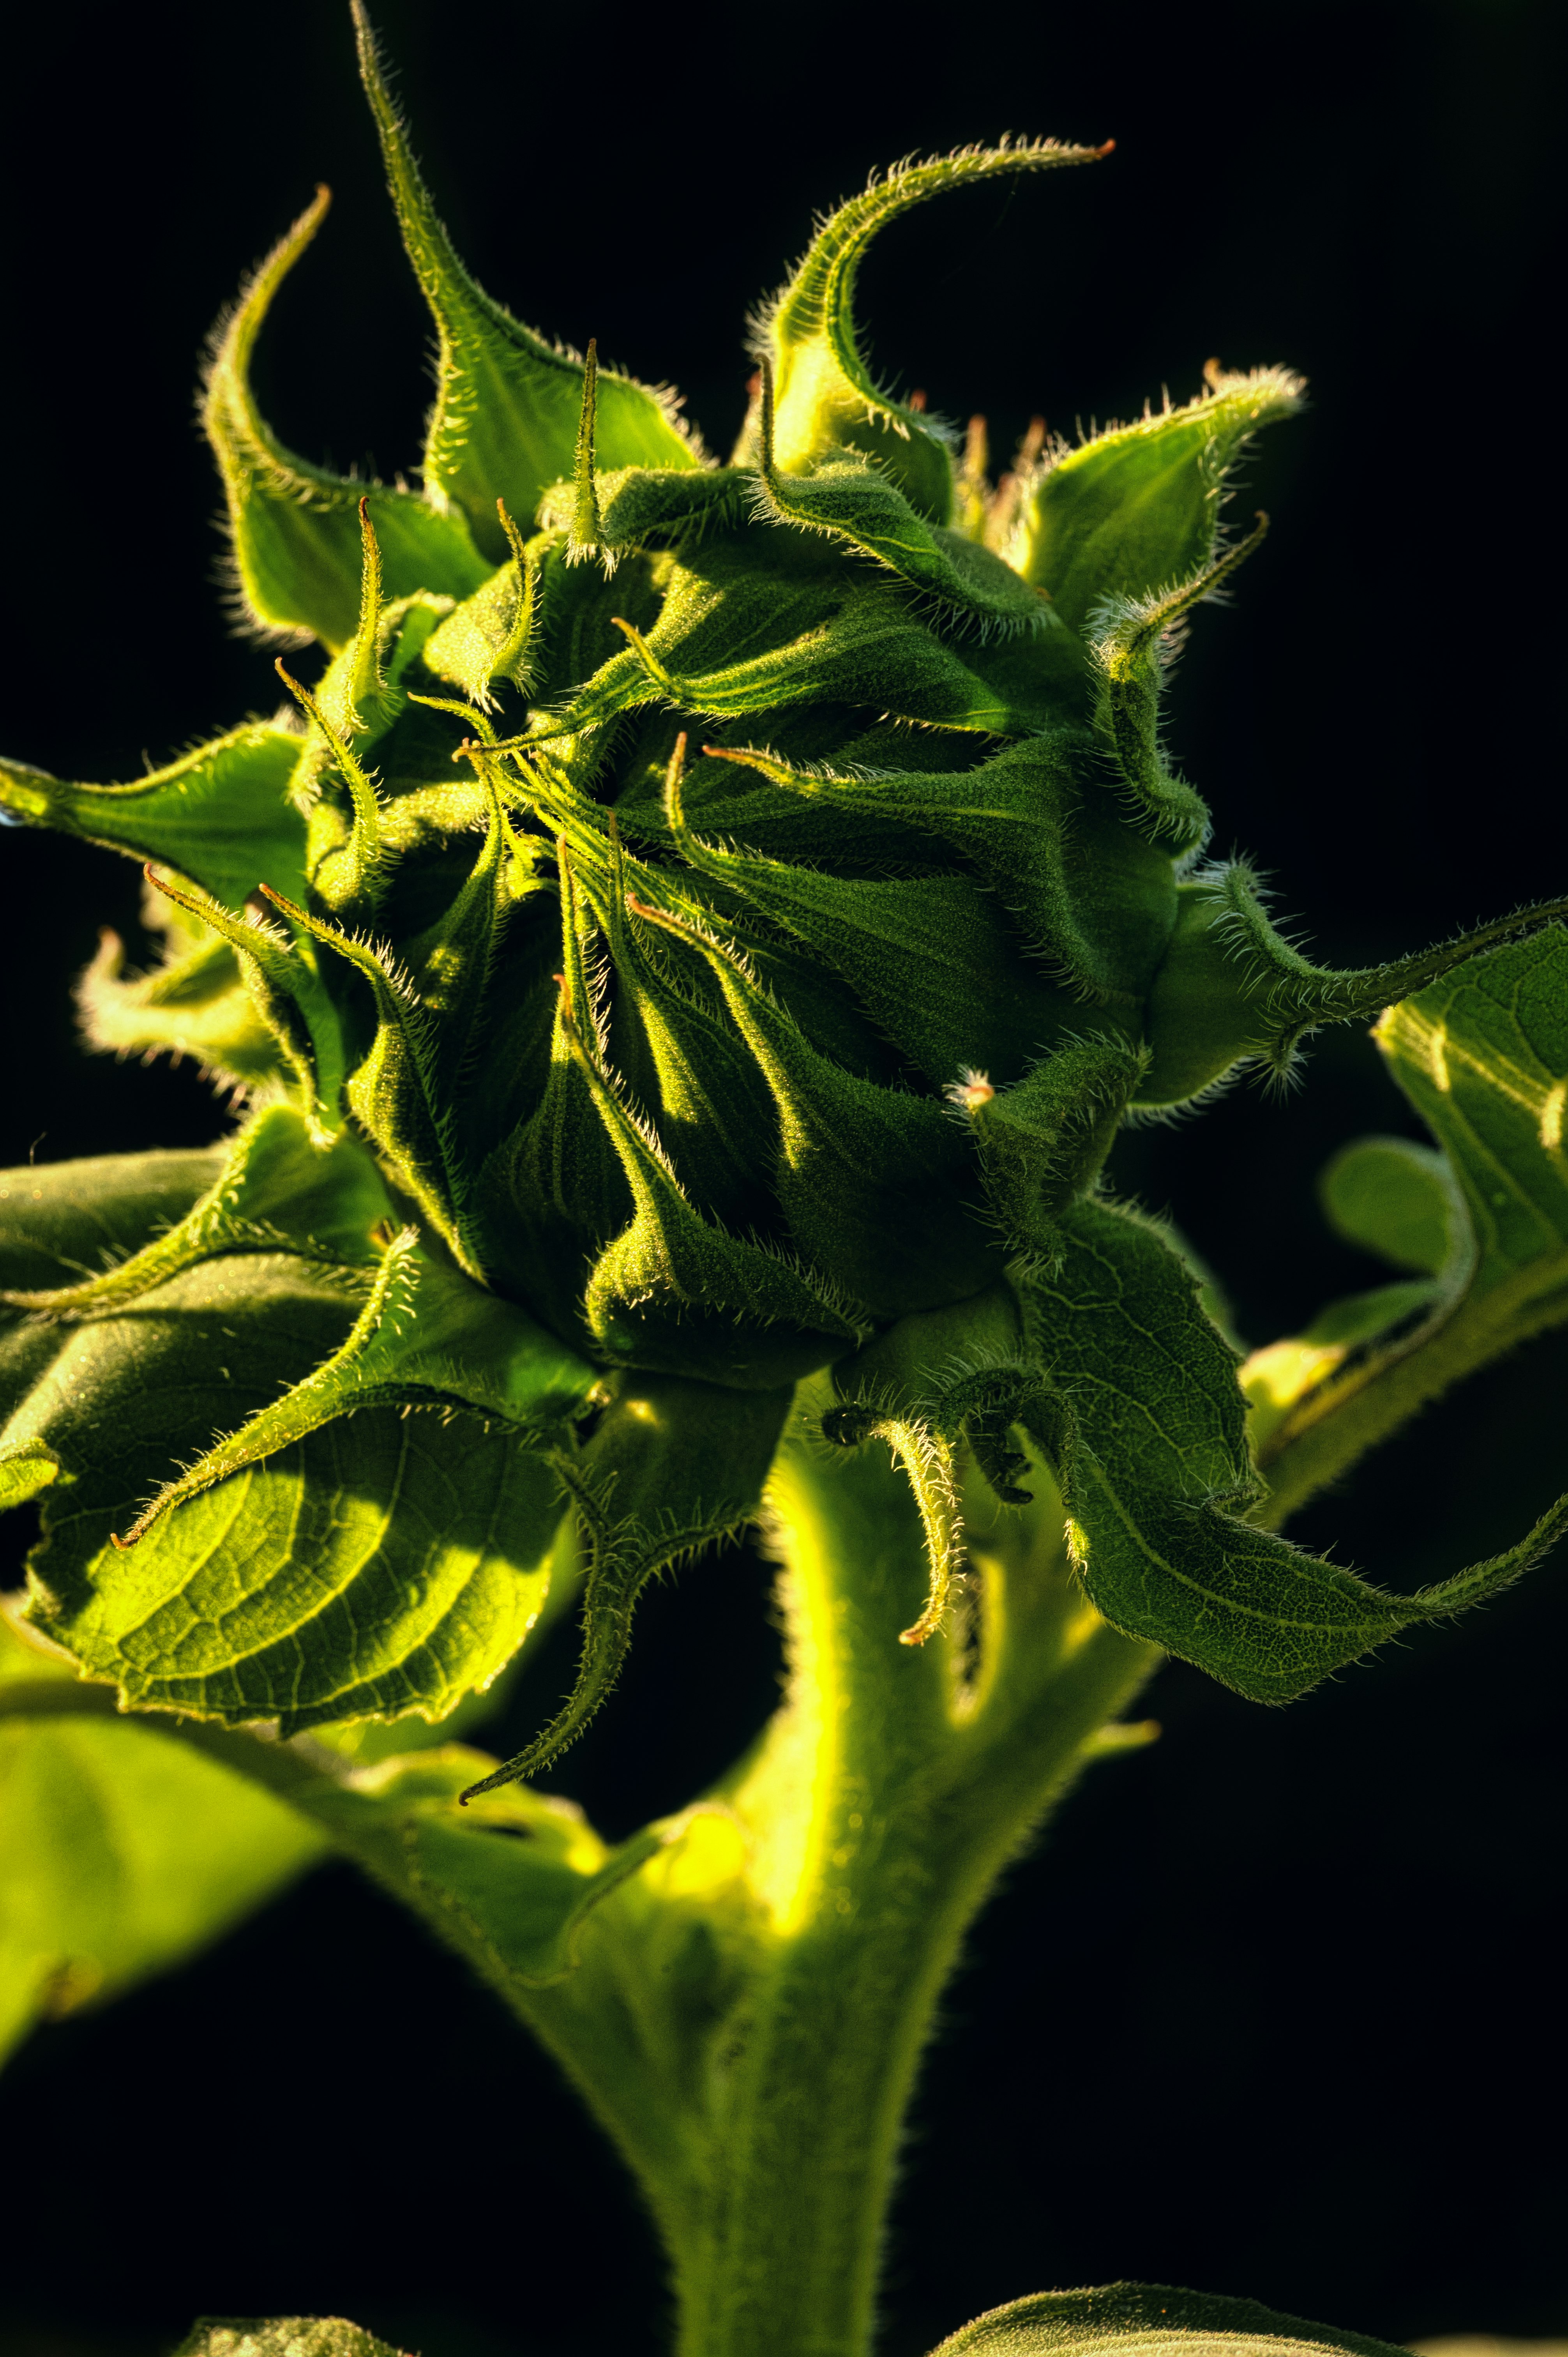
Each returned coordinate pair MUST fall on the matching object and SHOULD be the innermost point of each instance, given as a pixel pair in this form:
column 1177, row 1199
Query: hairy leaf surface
column 1148, row 2320
column 1483, row 1056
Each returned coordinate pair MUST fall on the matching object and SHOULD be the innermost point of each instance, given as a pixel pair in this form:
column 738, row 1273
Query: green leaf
column 295, row 528
column 1132, row 654
column 827, row 397
column 1143, row 1418
column 383, row 1565
column 507, row 403
column 286, row 994
column 1138, row 509
column 122, row 1851
column 492, row 635
column 64, row 1221
column 426, row 1338
column 635, row 504
column 281, row 1189
column 1142, row 2320
column 1483, row 1056
column 678, row 1295
column 873, row 651
column 1397, row 1199
column 25, row 1467
column 377, row 1565
column 1044, row 1140
column 221, row 815
column 400, row 1092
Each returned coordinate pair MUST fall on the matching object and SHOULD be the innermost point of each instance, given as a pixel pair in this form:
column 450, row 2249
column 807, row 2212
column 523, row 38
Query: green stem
column 744, row 1993
column 873, row 1821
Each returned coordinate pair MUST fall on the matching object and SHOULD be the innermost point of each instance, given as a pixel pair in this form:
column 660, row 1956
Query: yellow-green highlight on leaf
column 25, row 1467
column 516, row 1873
column 121, row 1851
column 848, row 497
column 1483, row 1056
column 426, row 1338
column 827, row 396
column 1131, row 2319
column 1138, row 508
column 280, row 1190
column 195, row 1002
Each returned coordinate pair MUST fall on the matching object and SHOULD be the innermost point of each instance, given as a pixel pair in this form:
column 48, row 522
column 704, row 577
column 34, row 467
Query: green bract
column 703, row 925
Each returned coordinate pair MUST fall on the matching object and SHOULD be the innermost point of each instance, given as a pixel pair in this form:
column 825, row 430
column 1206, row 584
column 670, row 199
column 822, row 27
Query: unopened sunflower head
column 705, row 915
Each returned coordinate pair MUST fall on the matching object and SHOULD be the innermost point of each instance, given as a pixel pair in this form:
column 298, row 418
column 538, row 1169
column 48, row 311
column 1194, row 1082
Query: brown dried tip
column 1106, row 148
column 125, row 1546
column 364, row 506
column 917, row 401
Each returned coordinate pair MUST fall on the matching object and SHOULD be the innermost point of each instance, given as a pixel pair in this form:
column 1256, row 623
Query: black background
column 1275, row 2008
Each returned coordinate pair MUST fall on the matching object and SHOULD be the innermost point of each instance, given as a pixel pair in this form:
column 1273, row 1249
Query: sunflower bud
column 746, row 970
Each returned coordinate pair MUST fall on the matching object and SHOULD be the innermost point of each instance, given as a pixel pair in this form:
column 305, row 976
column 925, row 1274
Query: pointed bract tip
column 281, row 900
column 1106, row 148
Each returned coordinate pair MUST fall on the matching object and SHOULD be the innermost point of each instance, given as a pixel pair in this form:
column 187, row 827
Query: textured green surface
column 281, row 2336
column 1483, row 1057
column 122, row 1851
column 756, row 955
column 689, row 951
column 1137, row 2317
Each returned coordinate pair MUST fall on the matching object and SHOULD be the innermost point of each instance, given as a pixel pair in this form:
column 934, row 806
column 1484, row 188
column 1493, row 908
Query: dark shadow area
column 1273, row 2007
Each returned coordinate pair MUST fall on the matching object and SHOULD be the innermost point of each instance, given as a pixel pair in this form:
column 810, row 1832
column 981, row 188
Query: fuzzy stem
column 878, row 1810
column 748, row 2009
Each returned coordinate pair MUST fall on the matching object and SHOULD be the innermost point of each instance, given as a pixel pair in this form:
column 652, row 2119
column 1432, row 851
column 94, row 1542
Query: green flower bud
column 749, row 964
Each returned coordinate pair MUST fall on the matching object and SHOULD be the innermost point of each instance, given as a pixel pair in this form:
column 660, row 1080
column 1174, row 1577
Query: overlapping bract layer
column 703, row 921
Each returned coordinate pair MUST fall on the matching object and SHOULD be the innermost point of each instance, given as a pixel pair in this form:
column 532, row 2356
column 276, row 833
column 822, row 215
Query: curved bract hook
column 826, row 395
